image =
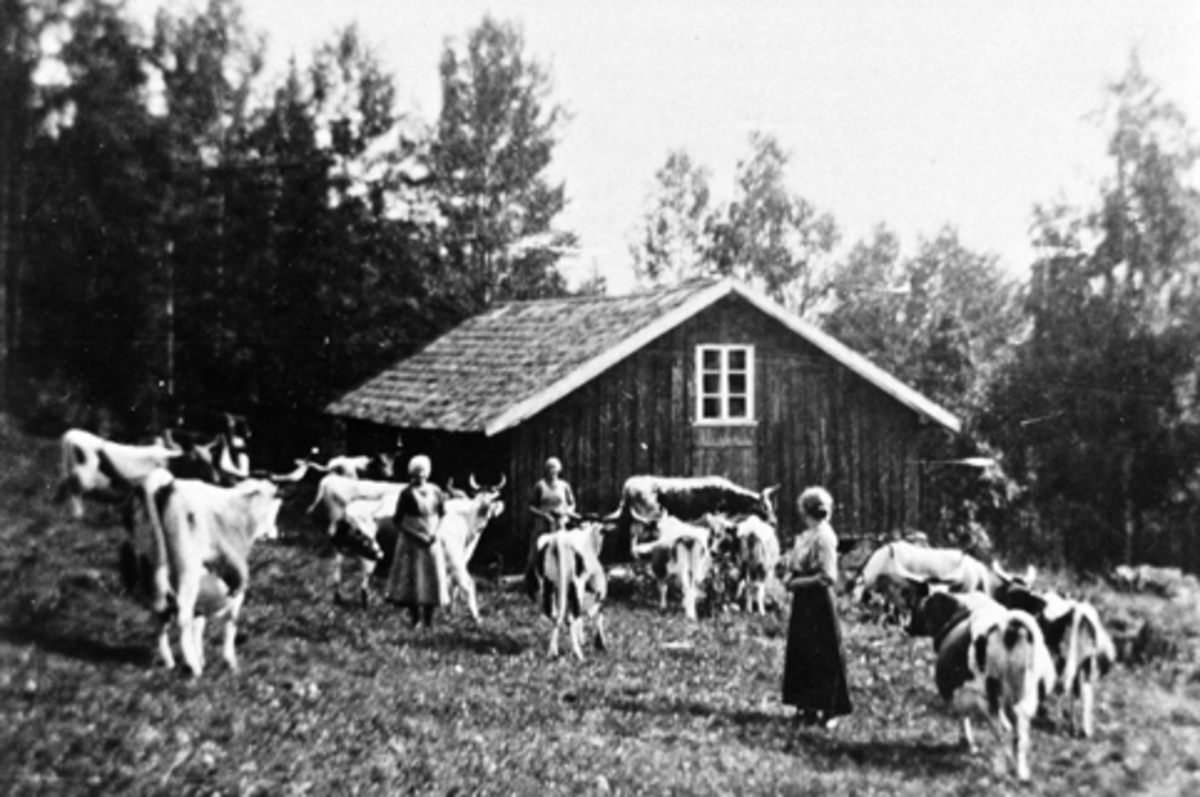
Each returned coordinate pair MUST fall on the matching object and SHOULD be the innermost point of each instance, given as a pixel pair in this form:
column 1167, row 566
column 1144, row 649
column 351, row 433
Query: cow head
column 768, row 505
column 934, row 610
column 1003, row 582
column 262, row 503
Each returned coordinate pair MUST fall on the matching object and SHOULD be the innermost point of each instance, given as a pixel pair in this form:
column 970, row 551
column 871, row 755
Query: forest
column 180, row 226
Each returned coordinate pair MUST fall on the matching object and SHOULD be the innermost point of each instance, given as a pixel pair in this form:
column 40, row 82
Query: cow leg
column 1087, row 699
column 165, row 657
column 198, row 624
column 599, row 640
column 189, row 588
column 364, row 586
column 689, row 601
column 968, row 736
column 335, row 576
column 1021, row 746
column 229, row 636
column 553, row 651
column 662, row 594
column 576, row 632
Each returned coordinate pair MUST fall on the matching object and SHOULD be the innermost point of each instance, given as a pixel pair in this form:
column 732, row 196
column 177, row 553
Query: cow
column 1082, row 648
column 982, row 644
column 202, row 536
column 335, row 493
column 687, row 498
column 103, row 470
column 679, row 549
column 378, row 467
column 895, row 569
column 571, row 583
column 458, row 533
column 756, row 555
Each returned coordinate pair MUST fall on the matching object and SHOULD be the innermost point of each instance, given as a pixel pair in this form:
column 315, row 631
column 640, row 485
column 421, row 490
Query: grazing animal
column 376, row 467
column 1082, row 648
column 459, row 533
column 571, row 583
column 687, row 498
column 681, row 550
column 335, row 493
column 981, row 643
column 894, row 569
column 103, row 470
column 756, row 555
column 202, row 531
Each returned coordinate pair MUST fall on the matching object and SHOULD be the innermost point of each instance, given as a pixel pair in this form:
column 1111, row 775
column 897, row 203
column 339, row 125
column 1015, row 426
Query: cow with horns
column 687, row 498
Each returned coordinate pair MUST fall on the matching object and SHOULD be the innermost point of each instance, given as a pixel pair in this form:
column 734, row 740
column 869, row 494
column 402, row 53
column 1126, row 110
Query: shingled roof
column 497, row 369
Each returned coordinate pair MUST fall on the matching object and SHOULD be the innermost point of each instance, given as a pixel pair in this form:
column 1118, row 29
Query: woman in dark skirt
column 814, row 670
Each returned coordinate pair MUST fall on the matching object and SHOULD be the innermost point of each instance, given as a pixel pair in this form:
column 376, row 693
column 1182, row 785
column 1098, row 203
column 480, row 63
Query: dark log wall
column 817, row 423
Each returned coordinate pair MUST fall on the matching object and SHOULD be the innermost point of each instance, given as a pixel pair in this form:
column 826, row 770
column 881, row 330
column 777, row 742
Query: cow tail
column 1071, row 666
column 1019, row 661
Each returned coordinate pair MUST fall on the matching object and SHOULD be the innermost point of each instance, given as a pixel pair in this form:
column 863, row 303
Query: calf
column 681, row 550
column 104, row 470
column 202, row 537
column 335, row 493
column 756, row 555
column 1082, row 649
column 981, row 643
column 571, row 583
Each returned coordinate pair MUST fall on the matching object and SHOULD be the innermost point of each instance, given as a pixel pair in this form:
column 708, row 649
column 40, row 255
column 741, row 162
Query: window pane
column 737, row 384
column 711, row 359
column 737, row 408
column 710, row 385
column 737, row 360
column 711, row 408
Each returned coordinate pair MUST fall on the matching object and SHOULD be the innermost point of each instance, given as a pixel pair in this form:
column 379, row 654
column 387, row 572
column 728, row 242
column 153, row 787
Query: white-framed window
column 724, row 384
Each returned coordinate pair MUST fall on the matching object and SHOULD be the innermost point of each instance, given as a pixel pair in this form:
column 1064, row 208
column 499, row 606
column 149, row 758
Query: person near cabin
column 552, row 503
column 814, row 670
column 416, row 580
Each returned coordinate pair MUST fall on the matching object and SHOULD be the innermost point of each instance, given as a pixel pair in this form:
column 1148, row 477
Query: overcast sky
column 913, row 114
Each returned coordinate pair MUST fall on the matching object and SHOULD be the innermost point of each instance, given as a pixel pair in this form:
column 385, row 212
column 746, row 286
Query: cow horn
column 503, row 481
column 474, row 485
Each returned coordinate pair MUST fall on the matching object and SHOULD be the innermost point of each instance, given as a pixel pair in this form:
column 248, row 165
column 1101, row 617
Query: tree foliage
column 766, row 235
column 1098, row 411
column 494, row 142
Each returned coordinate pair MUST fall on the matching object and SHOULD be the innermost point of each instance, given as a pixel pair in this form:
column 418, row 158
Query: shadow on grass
column 466, row 639
column 76, row 647
column 833, row 747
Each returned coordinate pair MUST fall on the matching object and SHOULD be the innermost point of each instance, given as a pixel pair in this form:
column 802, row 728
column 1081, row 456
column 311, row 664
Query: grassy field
column 332, row 700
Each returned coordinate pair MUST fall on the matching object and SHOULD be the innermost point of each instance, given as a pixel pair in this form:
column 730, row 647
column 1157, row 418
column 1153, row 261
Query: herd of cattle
column 193, row 511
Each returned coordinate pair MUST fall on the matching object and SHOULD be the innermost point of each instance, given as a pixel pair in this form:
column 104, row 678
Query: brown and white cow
column 104, row 470
column 202, row 536
column 686, row 498
column 756, row 555
column 681, row 550
column 1082, row 648
column 571, row 583
column 1000, row 654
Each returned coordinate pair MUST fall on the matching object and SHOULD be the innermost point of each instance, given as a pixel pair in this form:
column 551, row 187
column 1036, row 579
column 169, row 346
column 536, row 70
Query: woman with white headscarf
column 416, row 580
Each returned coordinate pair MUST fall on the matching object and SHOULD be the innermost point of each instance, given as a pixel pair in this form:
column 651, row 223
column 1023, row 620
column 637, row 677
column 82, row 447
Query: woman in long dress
column 416, row 580
column 814, row 671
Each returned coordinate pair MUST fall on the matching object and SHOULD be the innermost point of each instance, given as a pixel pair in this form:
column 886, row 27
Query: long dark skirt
column 814, row 669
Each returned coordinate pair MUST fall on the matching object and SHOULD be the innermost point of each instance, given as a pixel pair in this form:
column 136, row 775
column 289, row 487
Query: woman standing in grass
column 415, row 580
column 814, row 670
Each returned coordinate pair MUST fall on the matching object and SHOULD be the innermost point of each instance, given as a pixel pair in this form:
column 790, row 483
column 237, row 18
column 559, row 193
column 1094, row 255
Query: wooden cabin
column 707, row 377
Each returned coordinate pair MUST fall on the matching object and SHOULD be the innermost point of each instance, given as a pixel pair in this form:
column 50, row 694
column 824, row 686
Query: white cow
column 894, row 569
column 571, row 583
column 996, row 650
column 680, row 550
column 202, row 537
column 335, row 493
